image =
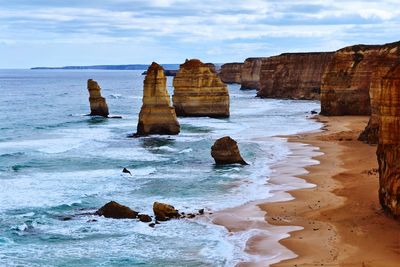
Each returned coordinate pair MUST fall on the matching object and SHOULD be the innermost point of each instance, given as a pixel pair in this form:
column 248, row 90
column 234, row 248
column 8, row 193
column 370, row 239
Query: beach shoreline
column 332, row 217
column 343, row 222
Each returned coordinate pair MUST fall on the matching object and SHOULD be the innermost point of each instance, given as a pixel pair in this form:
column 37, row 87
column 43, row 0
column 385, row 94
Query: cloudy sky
column 88, row 32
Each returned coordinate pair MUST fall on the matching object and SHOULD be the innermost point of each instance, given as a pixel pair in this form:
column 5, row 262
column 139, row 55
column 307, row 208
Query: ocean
column 57, row 165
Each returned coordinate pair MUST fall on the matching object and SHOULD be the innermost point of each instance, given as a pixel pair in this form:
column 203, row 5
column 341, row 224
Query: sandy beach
column 343, row 222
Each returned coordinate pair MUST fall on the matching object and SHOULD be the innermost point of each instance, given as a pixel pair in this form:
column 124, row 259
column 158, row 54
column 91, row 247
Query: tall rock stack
column 293, row 75
column 98, row 105
column 156, row 115
column 351, row 81
column 250, row 77
column 199, row 92
column 231, row 72
column 388, row 152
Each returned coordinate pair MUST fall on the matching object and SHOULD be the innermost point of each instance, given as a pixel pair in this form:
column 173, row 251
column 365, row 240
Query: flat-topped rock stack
column 231, row 72
column 199, row 92
column 98, row 105
column 156, row 115
column 250, row 76
column 388, row 152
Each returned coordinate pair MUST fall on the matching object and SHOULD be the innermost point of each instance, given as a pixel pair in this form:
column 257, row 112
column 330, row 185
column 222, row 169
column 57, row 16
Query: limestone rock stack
column 293, row 75
column 199, row 92
column 226, row 151
column 388, row 152
column 231, row 72
column 156, row 115
column 98, row 105
column 250, row 77
column 351, row 82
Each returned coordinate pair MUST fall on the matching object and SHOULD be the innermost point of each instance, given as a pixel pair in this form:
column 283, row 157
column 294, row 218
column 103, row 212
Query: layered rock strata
column 388, row 152
column 98, row 105
column 293, row 75
column 231, row 72
column 156, row 115
column 250, row 76
column 199, row 92
column 383, row 58
column 226, row 151
column 351, row 82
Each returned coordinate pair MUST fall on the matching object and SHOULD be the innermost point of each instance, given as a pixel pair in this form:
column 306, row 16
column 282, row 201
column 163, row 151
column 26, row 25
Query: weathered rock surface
column 98, row 105
column 351, row 81
column 231, row 72
column 156, row 115
column 164, row 212
column 382, row 59
column 388, row 152
column 293, row 75
column 116, row 211
column 144, row 218
column 226, row 151
column 199, row 92
column 250, row 77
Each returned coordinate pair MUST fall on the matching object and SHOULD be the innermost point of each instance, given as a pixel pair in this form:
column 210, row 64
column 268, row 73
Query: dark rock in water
column 164, row 212
column 144, row 218
column 93, row 220
column 166, row 72
column 125, row 170
column 116, row 211
column 201, row 211
column 314, row 112
column 191, row 216
column 66, row 218
column 226, row 151
column 152, row 225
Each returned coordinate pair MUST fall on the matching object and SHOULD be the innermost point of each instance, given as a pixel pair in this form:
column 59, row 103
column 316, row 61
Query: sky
column 89, row 32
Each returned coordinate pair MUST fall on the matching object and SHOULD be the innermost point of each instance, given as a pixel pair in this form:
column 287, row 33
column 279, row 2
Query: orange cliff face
column 351, row 82
column 199, row 92
column 156, row 115
column 98, row 105
column 388, row 152
column 293, row 75
column 251, row 73
column 231, row 72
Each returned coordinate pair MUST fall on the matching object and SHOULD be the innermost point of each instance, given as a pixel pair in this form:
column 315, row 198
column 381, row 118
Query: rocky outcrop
column 98, row 105
column 116, row 211
column 351, row 82
column 231, row 72
column 250, row 77
column 226, row 151
column 293, row 75
column 156, row 115
column 388, row 152
column 164, row 212
column 199, row 92
column 383, row 58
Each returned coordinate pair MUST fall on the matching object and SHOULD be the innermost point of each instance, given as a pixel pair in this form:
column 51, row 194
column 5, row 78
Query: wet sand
column 343, row 222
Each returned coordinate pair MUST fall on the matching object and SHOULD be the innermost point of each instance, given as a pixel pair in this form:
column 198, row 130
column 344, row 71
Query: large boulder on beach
column 199, row 92
column 164, row 212
column 226, row 151
column 156, row 115
column 116, row 211
column 98, row 105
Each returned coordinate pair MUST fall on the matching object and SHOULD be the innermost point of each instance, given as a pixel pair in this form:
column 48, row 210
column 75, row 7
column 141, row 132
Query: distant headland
column 108, row 67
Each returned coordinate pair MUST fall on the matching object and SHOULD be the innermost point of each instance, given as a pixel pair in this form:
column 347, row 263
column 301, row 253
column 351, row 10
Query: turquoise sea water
column 56, row 163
